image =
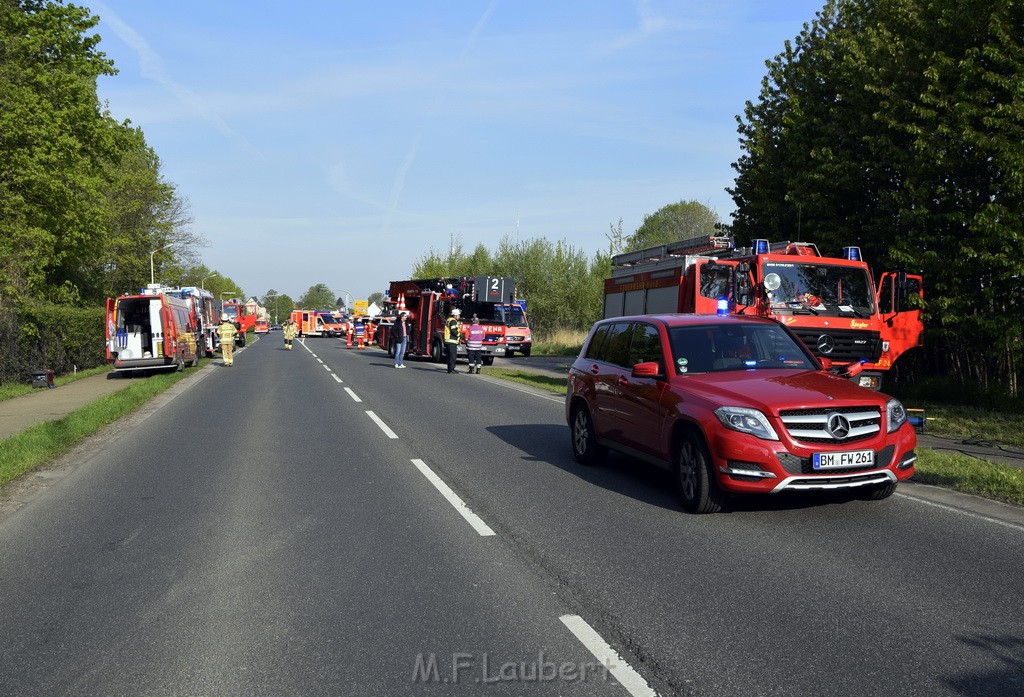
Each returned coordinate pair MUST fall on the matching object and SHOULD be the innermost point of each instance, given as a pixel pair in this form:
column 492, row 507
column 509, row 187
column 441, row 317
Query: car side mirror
column 646, row 370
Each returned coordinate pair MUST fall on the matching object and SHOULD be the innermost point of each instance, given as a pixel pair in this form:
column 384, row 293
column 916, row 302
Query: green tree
column 682, row 220
column 279, row 305
column 318, row 297
column 53, row 141
column 896, row 125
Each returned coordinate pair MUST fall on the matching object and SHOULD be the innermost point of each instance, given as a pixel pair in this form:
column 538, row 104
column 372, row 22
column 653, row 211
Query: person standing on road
column 289, row 333
column 226, row 331
column 400, row 337
column 452, row 334
column 474, row 344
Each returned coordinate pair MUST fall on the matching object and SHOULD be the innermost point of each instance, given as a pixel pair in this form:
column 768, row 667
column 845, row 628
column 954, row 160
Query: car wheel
column 488, row 360
column 695, row 479
column 509, row 353
column 584, row 438
column 877, row 493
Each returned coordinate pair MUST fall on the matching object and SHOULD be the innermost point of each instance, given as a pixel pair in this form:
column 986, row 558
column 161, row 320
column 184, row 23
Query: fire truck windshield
column 512, row 315
column 818, row 288
column 231, row 311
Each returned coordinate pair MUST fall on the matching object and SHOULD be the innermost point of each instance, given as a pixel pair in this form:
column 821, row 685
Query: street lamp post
column 277, row 299
column 209, row 275
column 345, row 293
column 152, row 276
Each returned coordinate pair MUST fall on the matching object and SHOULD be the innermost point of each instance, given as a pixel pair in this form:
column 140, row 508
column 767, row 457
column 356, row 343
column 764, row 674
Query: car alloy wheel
column 695, row 479
column 584, row 439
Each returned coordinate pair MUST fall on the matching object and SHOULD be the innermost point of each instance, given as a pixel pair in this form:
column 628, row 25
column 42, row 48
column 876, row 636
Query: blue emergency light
column 723, row 306
column 761, row 246
column 851, row 253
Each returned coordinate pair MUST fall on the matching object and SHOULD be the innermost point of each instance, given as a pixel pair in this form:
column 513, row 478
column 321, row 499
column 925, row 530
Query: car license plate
column 853, row 458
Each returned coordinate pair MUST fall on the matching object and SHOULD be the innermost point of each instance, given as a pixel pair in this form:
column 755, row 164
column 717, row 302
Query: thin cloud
column 152, row 67
column 650, row 24
column 410, row 158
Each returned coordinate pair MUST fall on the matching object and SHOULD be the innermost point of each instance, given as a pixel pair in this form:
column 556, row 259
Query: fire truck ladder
column 704, row 244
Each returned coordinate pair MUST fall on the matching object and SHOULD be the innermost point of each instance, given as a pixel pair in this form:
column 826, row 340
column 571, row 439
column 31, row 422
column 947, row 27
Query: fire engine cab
column 855, row 327
column 430, row 301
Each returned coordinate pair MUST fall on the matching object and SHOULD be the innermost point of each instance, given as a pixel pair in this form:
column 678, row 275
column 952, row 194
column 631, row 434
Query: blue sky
column 339, row 142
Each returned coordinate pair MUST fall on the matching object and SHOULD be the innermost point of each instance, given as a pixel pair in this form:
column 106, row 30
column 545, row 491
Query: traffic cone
column 401, row 302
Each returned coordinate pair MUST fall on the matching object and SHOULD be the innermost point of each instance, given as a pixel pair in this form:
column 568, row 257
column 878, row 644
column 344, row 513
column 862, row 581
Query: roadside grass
column 544, row 382
column 39, row 444
column 560, row 342
column 970, row 475
column 18, row 389
column 973, row 423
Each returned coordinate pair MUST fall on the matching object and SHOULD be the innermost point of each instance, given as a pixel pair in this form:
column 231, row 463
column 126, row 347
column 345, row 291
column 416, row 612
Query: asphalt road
column 262, row 533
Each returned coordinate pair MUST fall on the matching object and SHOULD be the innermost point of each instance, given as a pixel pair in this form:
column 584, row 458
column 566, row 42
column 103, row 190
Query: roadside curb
column 967, row 504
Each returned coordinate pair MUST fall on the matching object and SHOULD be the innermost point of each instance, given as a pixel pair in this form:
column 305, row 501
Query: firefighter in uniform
column 360, row 332
column 289, row 333
column 226, row 331
column 452, row 334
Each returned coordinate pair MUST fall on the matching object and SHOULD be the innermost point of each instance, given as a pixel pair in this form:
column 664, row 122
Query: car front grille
column 837, row 426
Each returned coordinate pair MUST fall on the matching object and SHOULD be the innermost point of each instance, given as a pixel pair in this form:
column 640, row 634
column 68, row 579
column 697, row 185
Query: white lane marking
column 326, row 367
column 335, row 377
column 318, row 359
column 961, row 511
column 352, row 394
column 472, row 518
column 611, row 660
column 383, row 426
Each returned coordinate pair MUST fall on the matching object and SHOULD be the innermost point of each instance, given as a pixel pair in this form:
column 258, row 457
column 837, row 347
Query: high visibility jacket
column 475, row 337
column 452, row 330
column 226, row 331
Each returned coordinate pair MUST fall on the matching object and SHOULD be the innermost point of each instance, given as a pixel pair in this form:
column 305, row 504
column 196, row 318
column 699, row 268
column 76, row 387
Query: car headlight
column 746, row 420
column 897, row 415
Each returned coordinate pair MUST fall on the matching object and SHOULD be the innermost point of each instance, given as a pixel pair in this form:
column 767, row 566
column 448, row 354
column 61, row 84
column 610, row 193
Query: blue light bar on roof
column 760, row 246
column 851, row 253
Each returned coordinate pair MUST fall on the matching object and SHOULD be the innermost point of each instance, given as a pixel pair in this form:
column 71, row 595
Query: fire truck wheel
column 525, row 351
column 436, row 354
column 488, row 360
column 391, row 349
column 509, row 353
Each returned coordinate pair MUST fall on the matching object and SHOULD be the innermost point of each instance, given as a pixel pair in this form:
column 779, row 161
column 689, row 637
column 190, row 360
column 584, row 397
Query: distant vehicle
column 262, row 326
column 518, row 336
column 275, row 327
column 732, row 404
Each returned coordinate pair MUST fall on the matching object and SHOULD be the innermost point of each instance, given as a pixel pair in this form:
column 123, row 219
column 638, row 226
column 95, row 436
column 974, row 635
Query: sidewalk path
column 20, row 413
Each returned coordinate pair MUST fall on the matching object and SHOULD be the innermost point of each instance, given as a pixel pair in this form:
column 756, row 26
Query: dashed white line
column 326, row 367
column 335, row 377
column 608, row 657
column 352, row 394
column 383, row 426
column 472, row 518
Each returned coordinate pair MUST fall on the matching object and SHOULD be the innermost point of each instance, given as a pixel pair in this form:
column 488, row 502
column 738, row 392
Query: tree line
column 84, row 208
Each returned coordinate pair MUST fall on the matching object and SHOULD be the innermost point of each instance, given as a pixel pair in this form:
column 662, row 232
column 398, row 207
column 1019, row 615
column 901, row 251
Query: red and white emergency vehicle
column 308, row 322
column 833, row 304
column 430, row 301
column 518, row 335
column 206, row 312
column 150, row 331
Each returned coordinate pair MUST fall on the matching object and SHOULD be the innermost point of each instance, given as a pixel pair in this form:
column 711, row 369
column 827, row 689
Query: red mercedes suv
column 731, row 404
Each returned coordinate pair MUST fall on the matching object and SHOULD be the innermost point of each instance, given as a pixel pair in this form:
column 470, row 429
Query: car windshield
column 724, row 347
column 807, row 288
column 512, row 315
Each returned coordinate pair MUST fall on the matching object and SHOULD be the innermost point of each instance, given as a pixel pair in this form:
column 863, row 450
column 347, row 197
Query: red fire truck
column 206, row 314
column 236, row 312
column 518, row 335
column 833, row 304
column 150, row 331
column 429, row 301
